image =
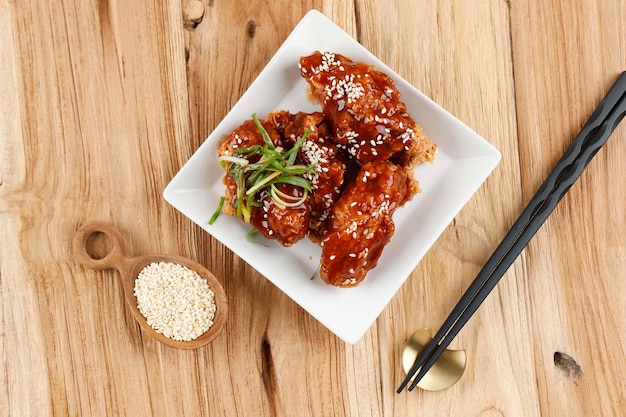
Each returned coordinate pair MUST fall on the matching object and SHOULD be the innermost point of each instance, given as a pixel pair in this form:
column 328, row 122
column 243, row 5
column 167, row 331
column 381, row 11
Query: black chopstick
column 591, row 138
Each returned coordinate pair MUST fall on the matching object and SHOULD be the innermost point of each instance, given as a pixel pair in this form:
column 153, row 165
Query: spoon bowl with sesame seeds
column 175, row 299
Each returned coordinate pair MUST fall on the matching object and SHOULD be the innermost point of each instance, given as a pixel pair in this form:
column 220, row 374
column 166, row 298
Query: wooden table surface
column 104, row 101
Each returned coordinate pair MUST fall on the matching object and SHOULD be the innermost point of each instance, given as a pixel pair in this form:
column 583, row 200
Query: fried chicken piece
column 242, row 137
column 364, row 108
column 287, row 225
column 318, row 149
column 361, row 223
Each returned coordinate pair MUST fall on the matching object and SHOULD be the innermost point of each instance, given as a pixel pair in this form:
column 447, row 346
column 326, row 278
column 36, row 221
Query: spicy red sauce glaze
column 364, row 125
column 319, row 150
column 364, row 108
column 361, row 223
column 242, row 137
column 287, row 225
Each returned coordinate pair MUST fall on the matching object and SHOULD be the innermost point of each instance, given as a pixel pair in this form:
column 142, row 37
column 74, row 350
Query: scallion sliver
column 273, row 166
column 218, row 211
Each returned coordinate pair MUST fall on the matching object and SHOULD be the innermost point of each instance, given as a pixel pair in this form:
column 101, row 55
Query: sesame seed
column 344, row 87
column 353, row 226
column 176, row 301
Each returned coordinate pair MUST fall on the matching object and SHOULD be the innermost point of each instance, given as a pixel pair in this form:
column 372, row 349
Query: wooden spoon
column 129, row 268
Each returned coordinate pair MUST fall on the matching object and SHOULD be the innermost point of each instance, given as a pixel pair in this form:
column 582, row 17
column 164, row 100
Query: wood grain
column 105, row 100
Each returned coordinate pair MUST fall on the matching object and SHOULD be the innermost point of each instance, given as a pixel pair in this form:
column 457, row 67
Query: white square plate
column 462, row 162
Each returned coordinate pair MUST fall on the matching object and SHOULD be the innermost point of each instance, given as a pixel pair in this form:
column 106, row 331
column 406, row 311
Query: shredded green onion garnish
column 264, row 182
column 286, row 200
column 234, row 159
column 217, row 212
column 274, row 166
column 317, row 270
column 250, row 237
column 266, row 136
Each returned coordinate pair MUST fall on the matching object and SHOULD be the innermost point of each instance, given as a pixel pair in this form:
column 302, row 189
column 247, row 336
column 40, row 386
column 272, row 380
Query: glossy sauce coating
column 242, row 137
column 319, row 150
column 361, row 223
column 364, row 146
column 287, row 225
column 365, row 110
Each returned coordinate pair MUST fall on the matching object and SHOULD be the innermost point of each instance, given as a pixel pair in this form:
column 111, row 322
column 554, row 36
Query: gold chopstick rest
column 444, row 373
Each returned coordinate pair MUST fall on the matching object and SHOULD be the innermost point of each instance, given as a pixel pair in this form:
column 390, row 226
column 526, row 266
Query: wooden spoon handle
column 115, row 259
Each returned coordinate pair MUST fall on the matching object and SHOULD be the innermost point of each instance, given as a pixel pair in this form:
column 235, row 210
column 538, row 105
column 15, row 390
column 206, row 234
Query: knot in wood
column 193, row 14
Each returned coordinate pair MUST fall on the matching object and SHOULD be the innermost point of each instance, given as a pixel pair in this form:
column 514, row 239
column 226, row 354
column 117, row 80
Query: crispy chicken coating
column 287, row 225
column 242, row 137
column 358, row 158
column 364, row 108
column 361, row 223
column 319, row 150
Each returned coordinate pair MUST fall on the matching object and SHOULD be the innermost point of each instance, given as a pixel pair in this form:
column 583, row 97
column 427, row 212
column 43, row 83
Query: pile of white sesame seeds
column 176, row 301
